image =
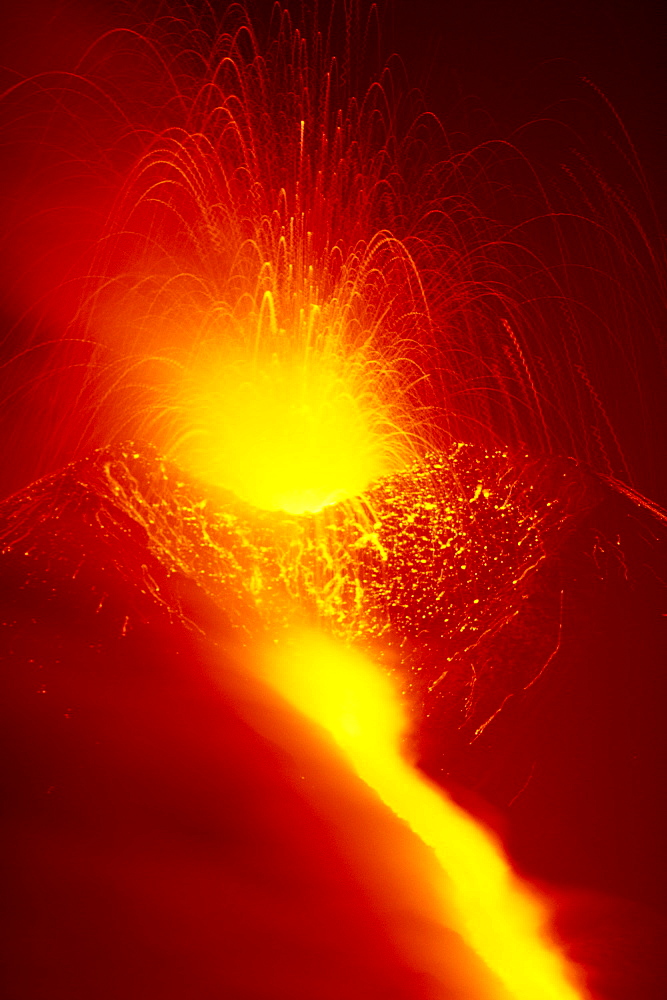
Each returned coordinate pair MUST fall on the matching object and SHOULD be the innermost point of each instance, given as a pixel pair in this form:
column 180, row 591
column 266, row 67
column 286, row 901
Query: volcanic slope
column 519, row 601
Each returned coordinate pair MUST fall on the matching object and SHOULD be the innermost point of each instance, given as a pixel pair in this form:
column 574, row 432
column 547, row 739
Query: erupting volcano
column 327, row 509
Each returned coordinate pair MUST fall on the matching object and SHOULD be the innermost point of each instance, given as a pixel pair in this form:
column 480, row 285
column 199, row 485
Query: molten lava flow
column 500, row 919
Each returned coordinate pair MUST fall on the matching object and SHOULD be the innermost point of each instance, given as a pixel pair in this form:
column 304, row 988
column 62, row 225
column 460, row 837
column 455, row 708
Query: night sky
column 488, row 68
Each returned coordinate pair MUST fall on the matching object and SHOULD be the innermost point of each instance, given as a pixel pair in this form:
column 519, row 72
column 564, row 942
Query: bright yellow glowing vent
column 284, row 435
column 497, row 915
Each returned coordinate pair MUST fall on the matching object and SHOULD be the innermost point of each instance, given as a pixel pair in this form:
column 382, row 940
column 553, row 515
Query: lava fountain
column 278, row 278
column 266, row 226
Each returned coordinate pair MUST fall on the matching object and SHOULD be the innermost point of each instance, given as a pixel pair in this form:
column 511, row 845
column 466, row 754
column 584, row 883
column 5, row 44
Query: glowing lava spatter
column 279, row 322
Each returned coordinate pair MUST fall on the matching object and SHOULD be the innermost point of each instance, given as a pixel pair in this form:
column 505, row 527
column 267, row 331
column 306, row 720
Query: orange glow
column 497, row 915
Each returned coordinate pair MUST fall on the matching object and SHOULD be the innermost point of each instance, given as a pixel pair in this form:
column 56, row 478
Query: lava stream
column 497, row 915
